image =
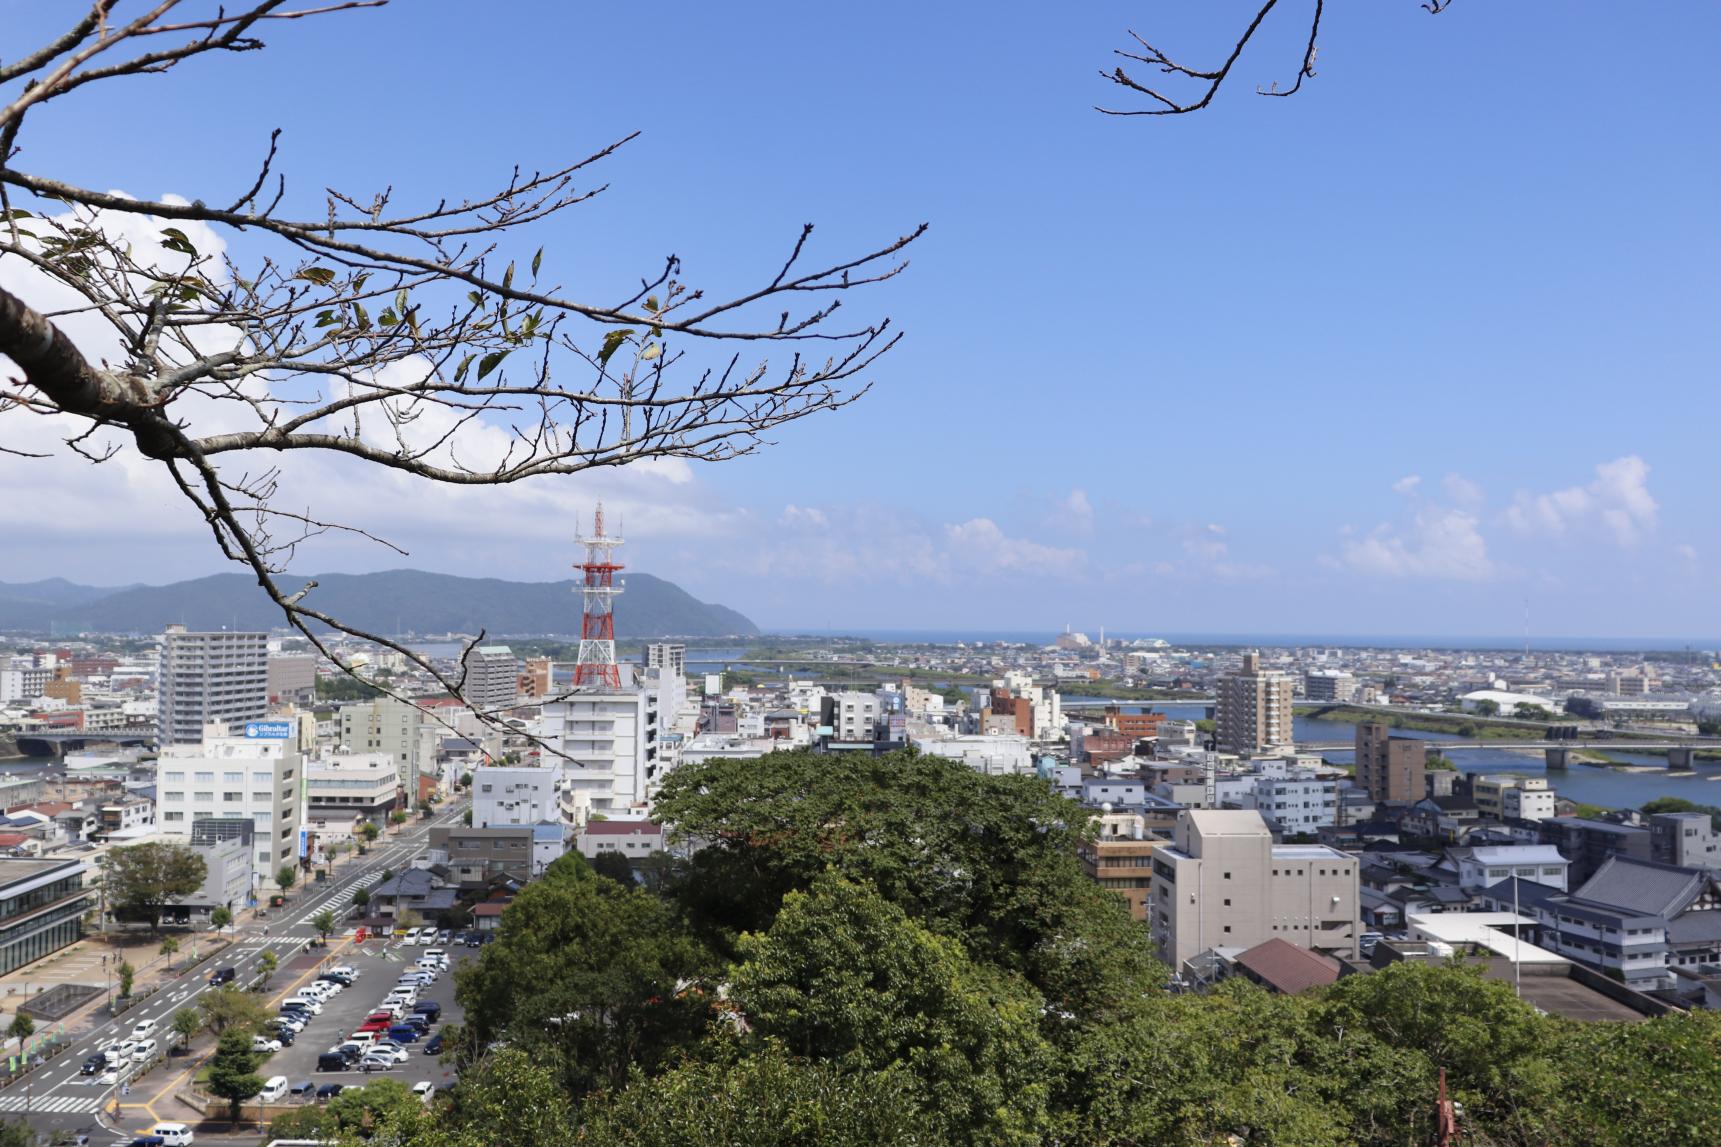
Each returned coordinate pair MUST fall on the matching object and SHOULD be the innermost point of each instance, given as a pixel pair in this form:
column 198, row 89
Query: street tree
column 143, row 879
column 187, row 1022
column 221, row 918
column 397, row 818
column 370, row 832
column 228, row 1008
column 127, row 975
column 324, row 923
column 285, row 877
column 233, row 1071
column 424, row 332
column 169, row 945
column 21, row 1028
column 361, row 898
column 267, row 963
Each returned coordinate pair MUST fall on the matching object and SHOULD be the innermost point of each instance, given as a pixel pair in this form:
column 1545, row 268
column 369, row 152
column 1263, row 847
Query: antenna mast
column 598, row 589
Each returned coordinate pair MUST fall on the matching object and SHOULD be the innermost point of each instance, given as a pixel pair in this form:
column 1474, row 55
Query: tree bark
column 57, row 368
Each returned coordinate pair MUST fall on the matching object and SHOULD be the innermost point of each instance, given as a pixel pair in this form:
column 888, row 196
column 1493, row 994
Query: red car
column 374, row 1026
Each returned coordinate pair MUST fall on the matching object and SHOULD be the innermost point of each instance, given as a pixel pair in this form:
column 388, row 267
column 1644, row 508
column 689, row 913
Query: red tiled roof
column 622, row 828
column 489, row 908
column 1287, row 968
column 12, row 839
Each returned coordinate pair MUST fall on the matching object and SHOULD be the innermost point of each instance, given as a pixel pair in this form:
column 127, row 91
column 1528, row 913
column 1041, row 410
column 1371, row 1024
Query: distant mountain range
column 392, row 602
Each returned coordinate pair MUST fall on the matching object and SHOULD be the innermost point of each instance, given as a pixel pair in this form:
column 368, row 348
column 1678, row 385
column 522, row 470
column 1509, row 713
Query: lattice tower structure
column 598, row 589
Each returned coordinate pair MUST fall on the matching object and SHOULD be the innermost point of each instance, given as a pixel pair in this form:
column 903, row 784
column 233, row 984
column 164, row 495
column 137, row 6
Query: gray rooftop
column 1642, row 886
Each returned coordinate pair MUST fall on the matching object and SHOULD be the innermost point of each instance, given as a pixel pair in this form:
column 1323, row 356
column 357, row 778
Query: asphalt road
column 59, row 1099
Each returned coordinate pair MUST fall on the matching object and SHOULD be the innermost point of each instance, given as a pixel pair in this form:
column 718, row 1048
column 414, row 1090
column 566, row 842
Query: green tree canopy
column 845, row 976
column 143, row 879
column 228, row 1008
column 592, row 975
column 233, row 1071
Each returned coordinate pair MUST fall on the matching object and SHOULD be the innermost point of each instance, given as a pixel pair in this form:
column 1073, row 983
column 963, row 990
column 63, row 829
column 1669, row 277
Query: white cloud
column 980, row 545
column 1616, row 505
column 1462, row 490
column 1441, row 543
column 1407, row 484
column 794, row 515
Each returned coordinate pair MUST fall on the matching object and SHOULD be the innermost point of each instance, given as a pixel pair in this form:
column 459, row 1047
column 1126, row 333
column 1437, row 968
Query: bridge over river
column 1679, row 753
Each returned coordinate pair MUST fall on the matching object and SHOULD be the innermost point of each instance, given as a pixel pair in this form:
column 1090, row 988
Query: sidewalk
column 94, row 961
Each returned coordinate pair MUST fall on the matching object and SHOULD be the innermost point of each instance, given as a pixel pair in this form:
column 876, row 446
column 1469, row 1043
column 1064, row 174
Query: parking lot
column 342, row 1014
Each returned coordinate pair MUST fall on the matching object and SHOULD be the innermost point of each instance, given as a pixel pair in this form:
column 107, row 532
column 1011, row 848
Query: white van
column 315, row 1007
column 273, row 1091
column 172, row 1134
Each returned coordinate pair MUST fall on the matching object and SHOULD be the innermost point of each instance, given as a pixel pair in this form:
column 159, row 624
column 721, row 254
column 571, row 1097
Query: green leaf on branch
column 490, row 362
column 321, row 276
column 612, row 343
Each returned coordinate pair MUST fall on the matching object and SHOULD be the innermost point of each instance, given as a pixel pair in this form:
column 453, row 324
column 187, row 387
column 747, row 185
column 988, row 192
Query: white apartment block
column 259, row 778
column 343, row 789
column 608, row 745
column 1296, row 804
column 23, row 682
column 504, row 795
column 207, row 677
column 1225, row 884
column 856, row 716
column 1528, row 804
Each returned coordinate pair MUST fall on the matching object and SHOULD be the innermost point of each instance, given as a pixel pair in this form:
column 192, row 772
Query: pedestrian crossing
column 340, row 900
column 49, row 1104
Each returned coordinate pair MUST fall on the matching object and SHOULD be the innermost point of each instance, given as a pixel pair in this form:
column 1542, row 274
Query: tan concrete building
column 1390, row 768
column 1123, row 864
column 1225, row 884
column 1254, row 708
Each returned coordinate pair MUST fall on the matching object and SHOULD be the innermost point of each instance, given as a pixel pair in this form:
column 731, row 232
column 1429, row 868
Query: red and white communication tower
column 597, row 664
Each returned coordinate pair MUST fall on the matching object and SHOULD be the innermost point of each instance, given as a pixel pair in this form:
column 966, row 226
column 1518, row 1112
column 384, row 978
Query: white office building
column 504, row 795
column 398, row 728
column 256, row 774
column 607, row 739
column 207, row 677
column 1296, row 804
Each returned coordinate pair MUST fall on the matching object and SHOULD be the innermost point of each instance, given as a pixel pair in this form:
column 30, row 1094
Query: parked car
column 172, row 1134
column 290, row 1023
column 347, row 970
column 222, row 976
column 403, row 1033
column 428, row 1008
column 393, row 1051
column 305, row 1002
column 285, row 1036
column 330, row 1090
column 433, row 1046
column 425, row 1090
column 274, row 1089
column 372, row 1063
column 264, row 1044
column 305, row 1087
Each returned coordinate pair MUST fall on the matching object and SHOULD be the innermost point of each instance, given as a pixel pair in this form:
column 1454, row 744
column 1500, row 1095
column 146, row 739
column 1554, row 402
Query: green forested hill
column 394, row 601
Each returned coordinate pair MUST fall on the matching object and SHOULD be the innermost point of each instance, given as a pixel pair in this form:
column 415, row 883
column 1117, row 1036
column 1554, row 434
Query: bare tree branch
column 430, row 339
column 1165, row 101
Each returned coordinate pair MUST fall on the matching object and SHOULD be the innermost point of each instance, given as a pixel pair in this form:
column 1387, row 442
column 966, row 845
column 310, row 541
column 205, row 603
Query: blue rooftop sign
column 269, row 730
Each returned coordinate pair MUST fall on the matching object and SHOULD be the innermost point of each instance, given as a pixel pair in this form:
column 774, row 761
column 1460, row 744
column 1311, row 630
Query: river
column 1590, row 784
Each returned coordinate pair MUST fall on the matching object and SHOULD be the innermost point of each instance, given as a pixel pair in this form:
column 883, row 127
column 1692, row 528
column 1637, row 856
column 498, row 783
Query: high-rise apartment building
column 1390, row 768
column 257, row 775
column 1225, row 884
column 1254, row 708
column 492, row 678
column 608, row 741
column 207, row 677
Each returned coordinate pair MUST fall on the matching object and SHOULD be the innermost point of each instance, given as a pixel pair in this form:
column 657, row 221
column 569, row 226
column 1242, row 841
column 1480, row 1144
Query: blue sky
column 1434, row 338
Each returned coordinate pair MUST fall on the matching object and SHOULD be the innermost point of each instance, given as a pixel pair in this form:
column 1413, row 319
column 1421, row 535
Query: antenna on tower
column 598, row 589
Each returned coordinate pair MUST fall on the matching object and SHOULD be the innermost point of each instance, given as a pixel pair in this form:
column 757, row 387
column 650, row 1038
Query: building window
column 174, row 796
column 174, row 776
column 233, row 778
column 234, row 798
column 205, row 778
column 172, row 816
column 1227, row 876
column 1227, row 904
column 203, row 798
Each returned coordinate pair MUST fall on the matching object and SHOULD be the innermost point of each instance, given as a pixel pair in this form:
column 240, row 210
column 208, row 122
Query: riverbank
column 1458, row 724
column 1114, row 690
